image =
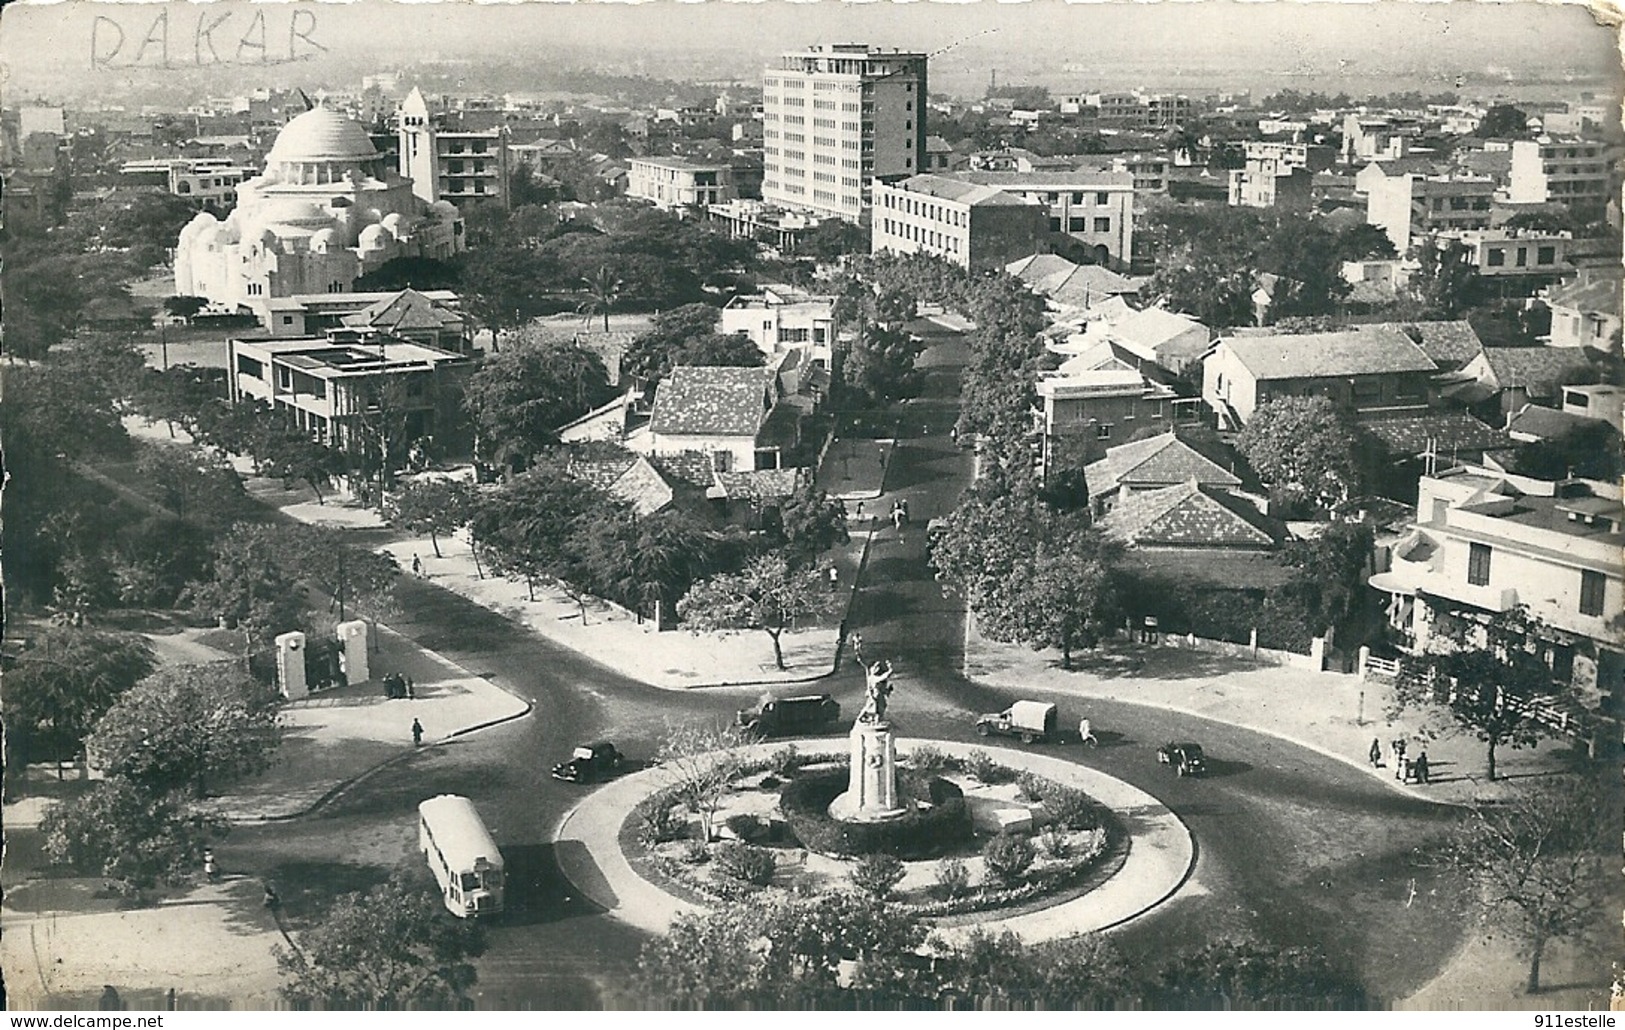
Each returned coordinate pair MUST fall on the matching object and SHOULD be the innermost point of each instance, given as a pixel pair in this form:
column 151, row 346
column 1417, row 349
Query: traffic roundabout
column 1102, row 871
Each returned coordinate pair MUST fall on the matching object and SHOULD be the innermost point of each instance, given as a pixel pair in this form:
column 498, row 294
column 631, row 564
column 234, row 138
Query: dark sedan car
column 1185, row 757
column 590, row 762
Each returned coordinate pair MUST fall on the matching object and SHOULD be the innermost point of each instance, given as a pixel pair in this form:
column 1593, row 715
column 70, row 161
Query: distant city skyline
column 111, row 49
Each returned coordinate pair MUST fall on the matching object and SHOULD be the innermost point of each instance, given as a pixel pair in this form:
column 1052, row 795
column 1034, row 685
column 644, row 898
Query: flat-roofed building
column 834, row 119
column 678, row 182
column 346, row 387
column 975, row 227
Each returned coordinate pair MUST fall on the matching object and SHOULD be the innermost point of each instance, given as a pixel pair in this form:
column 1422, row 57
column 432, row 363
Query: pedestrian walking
column 411, row 689
column 1421, row 767
column 1086, row 734
column 1376, row 753
column 897, row 518
column 1399, row 760
column 417, row 565
column 417, row 733
column 860, row 511
column 209, row 870
column 272, row 901
column 834, row 578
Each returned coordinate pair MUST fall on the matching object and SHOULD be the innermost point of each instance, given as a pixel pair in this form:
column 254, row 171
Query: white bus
column 462, row 854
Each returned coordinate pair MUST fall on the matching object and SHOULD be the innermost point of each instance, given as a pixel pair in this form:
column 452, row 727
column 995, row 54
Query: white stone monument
column 290, row 665
column 871, row 791
column 353, row 639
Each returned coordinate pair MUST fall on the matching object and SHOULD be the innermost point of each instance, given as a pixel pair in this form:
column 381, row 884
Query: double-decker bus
column 462, row 854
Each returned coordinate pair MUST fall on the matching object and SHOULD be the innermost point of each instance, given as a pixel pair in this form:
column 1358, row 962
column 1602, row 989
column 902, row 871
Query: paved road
column 1294, row 845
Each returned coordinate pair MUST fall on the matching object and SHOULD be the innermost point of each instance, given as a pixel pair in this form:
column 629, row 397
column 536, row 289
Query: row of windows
column 824, row 141
column 824, row 177
column 823, row 159
column 1079, row 224
column 925, row 209
column 1593, row 585
column 921, row 235
column 824, row 105
column 1497, row 256
column 825, row 195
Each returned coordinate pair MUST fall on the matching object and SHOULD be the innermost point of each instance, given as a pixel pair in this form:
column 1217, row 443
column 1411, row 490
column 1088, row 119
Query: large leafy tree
column 1502, row 121
column 356, row 581
column 647, row 562
column 769, row 594
column 529, row 526
column 1075, row 972
column 1486, row 681
column 193, row 482
column 389, row 948
column 432, row 506
column 1067, row 598
column 880, row 364
column 63, row 682
column 810, row 523
column 124, row 832
column 187, row 726
column 1536, row 857
column 687, row 335
column 249, row 588
column 521, row 395
column 1304, row 448
column 175, row 395
column 1332, row 572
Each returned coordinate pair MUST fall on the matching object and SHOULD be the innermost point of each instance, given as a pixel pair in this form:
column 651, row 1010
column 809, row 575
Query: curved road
column 1295, row 846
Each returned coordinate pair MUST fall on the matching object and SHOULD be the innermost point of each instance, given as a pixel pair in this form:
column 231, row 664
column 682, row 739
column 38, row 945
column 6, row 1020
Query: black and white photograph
column 811, row 506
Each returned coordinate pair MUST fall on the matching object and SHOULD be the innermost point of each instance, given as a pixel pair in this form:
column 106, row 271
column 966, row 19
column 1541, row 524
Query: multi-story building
column 1512, row 261
column 1095, row 208
column 1370, row 138
column 462, row 167
column 975, row 227
column 349, row 385
column 677, row 182
column 1561, row 170
column 211, row 180
column 326, row 210
column 835, row 119
column 1269, row 182
column 1586, row 312
column 1408, row 206
column 781, row 317
column 1486, row 542
column 1101, row 398
column 1372, row 373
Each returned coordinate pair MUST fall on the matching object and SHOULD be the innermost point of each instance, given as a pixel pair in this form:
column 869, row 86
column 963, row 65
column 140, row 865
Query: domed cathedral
column 326, row 210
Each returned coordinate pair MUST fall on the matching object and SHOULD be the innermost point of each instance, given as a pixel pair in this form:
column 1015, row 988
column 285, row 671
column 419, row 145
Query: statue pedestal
column 871, row 792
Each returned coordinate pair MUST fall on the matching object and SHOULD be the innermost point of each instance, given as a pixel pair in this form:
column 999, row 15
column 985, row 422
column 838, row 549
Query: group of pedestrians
column 1406, row 770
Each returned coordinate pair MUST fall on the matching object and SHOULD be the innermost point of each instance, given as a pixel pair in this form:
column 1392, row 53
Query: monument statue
column 877, row 687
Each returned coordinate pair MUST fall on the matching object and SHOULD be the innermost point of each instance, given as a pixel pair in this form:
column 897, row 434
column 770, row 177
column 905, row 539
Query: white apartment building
column 676, row 182
column 836, row 117
column 975, row 227
column 1561, row 171
column 781, row 317
column 1092, row 206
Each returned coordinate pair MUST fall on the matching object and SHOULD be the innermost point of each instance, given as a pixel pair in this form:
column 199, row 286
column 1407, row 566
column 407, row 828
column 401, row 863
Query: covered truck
column 1030, row 720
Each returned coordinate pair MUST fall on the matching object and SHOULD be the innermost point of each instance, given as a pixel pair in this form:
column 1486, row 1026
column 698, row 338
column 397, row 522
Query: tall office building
column 836, row 117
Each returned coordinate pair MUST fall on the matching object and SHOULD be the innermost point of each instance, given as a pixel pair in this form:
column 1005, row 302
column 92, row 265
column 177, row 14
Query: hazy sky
column 1319, row 44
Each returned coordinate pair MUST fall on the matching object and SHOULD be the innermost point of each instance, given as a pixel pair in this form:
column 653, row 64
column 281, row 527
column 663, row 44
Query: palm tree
column 603, row 290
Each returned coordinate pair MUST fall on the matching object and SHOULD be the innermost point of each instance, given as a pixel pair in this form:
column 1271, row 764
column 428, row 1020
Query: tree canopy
column 186, row 726
column 1305, row 449
column 63, row 682
column 129, row 835
column 521, row 395
column 769, row 594
column 388, row 948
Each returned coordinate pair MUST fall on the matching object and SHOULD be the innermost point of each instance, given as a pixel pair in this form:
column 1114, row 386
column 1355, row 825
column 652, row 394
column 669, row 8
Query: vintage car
column 589, row 762
column 1184, row 757
column 778, row 716
column 1032, row 721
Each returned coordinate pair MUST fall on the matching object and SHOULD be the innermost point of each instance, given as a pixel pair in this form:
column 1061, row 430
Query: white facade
column 1562, row 171
column 325, row 211
column 460, row 167
column 673, row 182
column 776, row 323
column 835, row 117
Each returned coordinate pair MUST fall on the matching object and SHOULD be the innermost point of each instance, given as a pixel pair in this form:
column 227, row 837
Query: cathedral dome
column 320, row 136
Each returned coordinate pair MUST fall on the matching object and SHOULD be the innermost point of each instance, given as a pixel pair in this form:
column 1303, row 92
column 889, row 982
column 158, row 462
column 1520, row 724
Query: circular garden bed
column 772, row 834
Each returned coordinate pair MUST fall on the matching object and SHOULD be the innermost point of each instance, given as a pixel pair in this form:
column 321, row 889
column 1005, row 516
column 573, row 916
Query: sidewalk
column 213, row 943
column 1336, row 715
column 1161, row 853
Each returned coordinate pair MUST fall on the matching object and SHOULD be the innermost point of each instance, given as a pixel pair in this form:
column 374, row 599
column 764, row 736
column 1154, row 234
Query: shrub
column 877, row 875
column 984, row 769
column 1033, row 786
column 953, row 878
column 1072, row 808
column 926, row 831
column 1008, row 856
column 661, row 823
column 1055, row 843
column 696, row 853
column 927, row 758
column 746, row 863
column 785, row 761
column 749, row 828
